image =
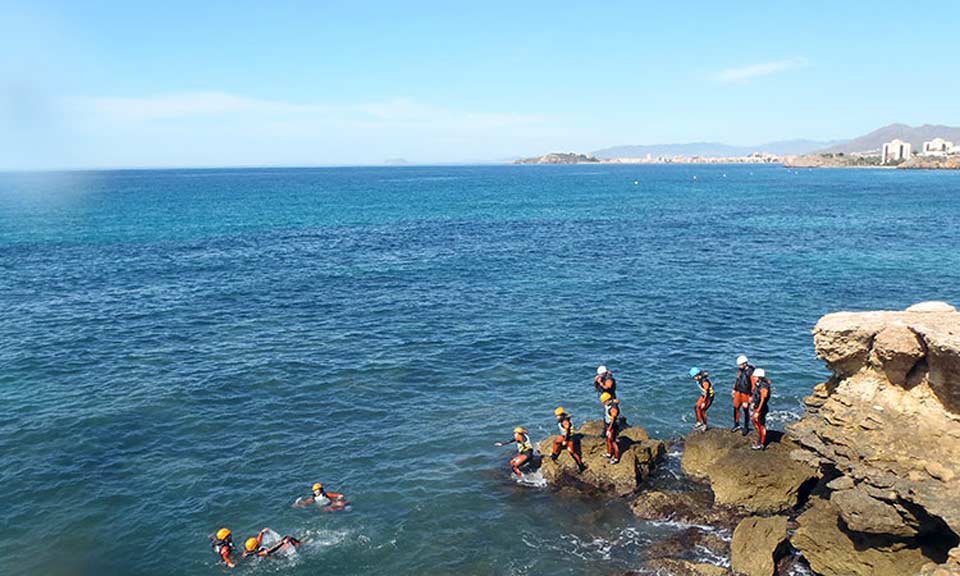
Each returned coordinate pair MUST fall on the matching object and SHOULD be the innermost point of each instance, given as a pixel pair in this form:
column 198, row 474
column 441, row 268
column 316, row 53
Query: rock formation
column 757, row 545
column 639, row 456
column 764, row 482
column 867, row 482
column 888, row 425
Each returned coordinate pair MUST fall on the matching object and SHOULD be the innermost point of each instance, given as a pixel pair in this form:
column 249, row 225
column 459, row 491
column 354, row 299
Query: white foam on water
column 532, row 480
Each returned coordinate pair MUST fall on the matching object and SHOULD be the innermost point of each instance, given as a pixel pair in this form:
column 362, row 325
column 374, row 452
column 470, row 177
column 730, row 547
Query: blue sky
column 123, row 84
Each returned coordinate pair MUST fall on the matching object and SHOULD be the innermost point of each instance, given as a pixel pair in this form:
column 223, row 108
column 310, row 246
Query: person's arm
column 596, row 384
column 504, row 443
column 225, row 556
column 334, row 495
column 614, row 414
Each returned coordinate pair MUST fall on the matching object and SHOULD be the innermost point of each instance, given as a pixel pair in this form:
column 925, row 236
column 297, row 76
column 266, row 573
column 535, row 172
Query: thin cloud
column 744, row 73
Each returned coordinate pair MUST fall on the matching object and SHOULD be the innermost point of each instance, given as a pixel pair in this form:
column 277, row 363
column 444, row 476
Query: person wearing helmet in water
column 524, row 450
column 565, row 439
column 742, row 393
column 761, row 405
column 223, row 546
column 254, row 548
column 330, row 501
column 611, row 417
column 605, row 382
column 705, row 399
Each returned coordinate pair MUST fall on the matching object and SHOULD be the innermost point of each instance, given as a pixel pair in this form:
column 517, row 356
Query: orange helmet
column 250, row 544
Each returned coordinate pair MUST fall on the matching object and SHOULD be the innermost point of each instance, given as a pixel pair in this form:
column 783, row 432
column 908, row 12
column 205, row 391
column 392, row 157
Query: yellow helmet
column 317, row 486
column 250, row 544
column 559, row 411
column 519, row 430
column 605, row 397
column 223, row 533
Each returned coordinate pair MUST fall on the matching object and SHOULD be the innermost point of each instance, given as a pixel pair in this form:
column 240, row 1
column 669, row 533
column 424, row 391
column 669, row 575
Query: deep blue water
column 182, row 350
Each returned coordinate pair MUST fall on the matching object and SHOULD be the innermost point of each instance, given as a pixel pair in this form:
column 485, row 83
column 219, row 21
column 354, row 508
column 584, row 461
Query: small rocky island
column 559, row 158
column 867, row 483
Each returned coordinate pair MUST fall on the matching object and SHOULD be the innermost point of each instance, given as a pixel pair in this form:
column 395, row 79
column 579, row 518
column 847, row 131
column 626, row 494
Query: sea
column 184, row 350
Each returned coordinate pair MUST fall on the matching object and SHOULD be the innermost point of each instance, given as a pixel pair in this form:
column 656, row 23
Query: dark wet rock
column 758, row 544
column 639, row 456
column 690, row 540
column 765, row 482
column 674, row 567
column 691, row 507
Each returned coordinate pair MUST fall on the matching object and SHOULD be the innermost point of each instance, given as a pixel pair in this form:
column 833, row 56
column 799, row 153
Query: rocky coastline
column 867, row 483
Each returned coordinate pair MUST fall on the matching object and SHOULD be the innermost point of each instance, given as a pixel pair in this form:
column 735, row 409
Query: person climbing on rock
column 223, row 546
column 253, row 547
column 742, row 393
column 524, row 450
column 611, row 417
column 705, row 399
column 565, row 439
column 329, row 501
column 761, row 405
column 605, row 382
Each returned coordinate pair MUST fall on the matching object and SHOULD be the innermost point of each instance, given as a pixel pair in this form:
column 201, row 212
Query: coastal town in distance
column 893, row 146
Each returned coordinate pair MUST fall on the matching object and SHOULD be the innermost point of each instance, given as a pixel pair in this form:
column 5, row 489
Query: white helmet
column 601, row 370
column 741, row 359
column 760, row 373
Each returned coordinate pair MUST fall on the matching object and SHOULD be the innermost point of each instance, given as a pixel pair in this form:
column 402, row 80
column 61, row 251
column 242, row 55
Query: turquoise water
column 182, row 350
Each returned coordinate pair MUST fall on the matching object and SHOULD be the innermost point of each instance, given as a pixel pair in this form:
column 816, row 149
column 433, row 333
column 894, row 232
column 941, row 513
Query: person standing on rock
column 705, row 399
column 524, row 450
column 565, row 439
column 604, row 382
column 761, row 405
column 742, row 393
column 611, row 417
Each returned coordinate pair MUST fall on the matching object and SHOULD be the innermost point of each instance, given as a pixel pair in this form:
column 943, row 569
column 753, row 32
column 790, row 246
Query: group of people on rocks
column 606, row 386
column 751, row 396
column 254, row 548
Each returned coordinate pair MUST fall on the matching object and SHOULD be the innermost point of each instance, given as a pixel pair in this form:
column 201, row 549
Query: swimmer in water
column 329, row 501
column 254, row 548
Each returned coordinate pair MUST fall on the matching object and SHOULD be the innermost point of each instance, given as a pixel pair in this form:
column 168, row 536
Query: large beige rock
column 890, row 416
column 639, row 457
column 949, row 568
column 758, row 543
column 831, row 551
column 865, row 510
column 764, row 482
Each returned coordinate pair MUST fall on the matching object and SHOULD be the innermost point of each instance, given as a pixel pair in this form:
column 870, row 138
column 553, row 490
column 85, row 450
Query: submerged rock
column 689, row 540
column 766, row 482
column 758, row 544
column 689, row 507
column 674, row 567
column 639, row 457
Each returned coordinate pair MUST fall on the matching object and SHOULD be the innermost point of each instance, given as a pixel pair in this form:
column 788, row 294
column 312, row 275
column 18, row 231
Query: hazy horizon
column 113, row 85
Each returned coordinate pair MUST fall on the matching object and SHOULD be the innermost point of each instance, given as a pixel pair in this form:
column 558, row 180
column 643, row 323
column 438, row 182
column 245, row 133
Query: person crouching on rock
column 611, row 415
column 253, row 547
column 705, row 399
column 565, row 439
column 524, row 450
column 761, row 405
column 742, row 392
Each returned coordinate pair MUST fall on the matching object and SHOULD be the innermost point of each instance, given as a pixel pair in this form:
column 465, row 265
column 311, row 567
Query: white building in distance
column 895, row 150
column 938, row 147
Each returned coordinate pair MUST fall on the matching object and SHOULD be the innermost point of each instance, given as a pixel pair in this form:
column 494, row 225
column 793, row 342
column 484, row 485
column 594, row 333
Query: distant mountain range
column 716, row 149
column 875, row 140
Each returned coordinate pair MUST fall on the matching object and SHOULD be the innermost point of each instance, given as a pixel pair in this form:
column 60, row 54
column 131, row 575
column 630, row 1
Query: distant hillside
column 915, row 136
column 559, row 158
column 716, row 149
